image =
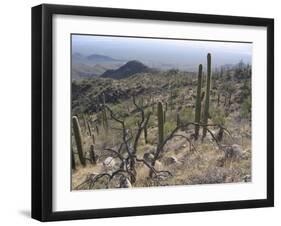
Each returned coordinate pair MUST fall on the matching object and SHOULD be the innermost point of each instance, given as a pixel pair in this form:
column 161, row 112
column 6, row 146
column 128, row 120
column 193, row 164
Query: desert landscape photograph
column 152, row 112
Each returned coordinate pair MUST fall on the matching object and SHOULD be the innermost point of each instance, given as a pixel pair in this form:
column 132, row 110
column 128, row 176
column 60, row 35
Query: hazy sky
column 178, row 53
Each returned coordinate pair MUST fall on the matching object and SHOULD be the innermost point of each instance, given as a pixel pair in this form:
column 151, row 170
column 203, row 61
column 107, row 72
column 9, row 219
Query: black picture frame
column 42, row 108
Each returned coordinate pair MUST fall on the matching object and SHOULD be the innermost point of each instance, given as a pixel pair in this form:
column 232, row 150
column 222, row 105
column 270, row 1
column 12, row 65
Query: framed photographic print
column 146, row 112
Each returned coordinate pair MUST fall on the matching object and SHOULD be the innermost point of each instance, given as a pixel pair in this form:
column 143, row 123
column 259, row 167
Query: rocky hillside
column 88, row 93
column 162, row 128
column 127, row 70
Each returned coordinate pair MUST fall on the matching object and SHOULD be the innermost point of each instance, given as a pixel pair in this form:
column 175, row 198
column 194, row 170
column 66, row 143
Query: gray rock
column 158, row 165
column 234, row 107
column 171, row 160
column 247, row 178
column 125, row 182
column 148, row 157
column 234, row 151
column 109, row 162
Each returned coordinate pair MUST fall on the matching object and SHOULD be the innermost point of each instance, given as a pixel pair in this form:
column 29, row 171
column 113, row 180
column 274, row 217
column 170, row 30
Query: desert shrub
column 120, row 110
column 152, row 121
column 245, row 90
column 174, row 93
column 171, row 115
column 187, row 115
column 218, row 116
column 131, row 122
column 169, row 126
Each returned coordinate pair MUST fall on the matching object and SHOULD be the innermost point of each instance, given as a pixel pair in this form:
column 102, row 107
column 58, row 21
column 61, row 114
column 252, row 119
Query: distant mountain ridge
column 127, row 70
column 92, row 58
column 93, row 65
column 100, row 58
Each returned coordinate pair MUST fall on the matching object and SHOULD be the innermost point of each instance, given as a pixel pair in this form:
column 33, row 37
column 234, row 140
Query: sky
column 182, row 54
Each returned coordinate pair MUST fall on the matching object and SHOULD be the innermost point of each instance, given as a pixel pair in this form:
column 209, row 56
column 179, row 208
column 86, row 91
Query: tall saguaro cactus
column 85, row 122
column 153, row 105
column 104, row 116
column 207, row 99
column 93, row 155
column 198, row 102
column 178, row 117
column 171, row 97
column 73, row 166
column 89, row 128
column 78, row 139
column 104, row 120
column 160, row 116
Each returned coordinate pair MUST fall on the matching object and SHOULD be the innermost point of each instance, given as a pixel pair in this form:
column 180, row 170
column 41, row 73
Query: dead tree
column 173, row 134
column 128, row 160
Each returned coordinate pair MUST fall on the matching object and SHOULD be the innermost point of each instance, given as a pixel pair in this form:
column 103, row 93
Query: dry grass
column 206, row 165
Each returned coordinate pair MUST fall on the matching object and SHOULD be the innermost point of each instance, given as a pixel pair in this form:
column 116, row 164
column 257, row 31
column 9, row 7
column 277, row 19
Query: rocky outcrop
column 127, row 70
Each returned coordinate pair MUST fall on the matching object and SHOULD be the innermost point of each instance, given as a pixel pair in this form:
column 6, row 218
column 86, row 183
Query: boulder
column 220, row 162
column 148, row 157
column 234, row 107
column 171, row 160
column 125, row 182
column 158, row 165
column 234, row 151
column 247, row 178
column 109, row 162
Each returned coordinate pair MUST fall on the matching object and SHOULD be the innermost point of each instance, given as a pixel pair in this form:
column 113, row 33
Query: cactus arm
column 78, row 139
column 73, row 166
column 160, row 116
column 198, row 102
column 207, row 99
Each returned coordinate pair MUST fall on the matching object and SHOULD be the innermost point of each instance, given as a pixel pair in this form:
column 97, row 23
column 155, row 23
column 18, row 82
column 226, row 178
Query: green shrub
column 120, row 110
column 218, row 116
column 169, row 127
column 186, row 115
column 131, row 122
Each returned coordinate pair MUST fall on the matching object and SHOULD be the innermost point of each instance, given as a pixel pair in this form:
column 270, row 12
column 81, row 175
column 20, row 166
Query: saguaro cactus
column 89, row 128
column 207, row 99
column 78, row 139
column 178, row 117
column 198, row 102
column 85, row 122
column 104, row 120
column 153, row 105
column 73, row 166
column 171, row 97
column 160, row 117
column 202, row 96
column 97, row 128
column 93, row 138
column 93, row 155
column 104, row 116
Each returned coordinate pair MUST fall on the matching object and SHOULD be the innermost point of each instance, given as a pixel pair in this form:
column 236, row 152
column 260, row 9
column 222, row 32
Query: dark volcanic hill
column 127, row 70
